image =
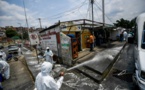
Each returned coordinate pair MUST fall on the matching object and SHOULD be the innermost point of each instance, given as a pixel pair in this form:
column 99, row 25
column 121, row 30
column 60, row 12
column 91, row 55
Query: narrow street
column 120, row 76
column 103, row 73
column 20, row 78
column 92, row 44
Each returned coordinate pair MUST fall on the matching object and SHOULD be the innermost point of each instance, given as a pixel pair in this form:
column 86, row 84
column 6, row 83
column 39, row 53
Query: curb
column 33, row 78
column 112, row 63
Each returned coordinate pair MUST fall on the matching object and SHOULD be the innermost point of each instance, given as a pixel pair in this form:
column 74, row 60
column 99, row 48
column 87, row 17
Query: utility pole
column 92, row 3
column 103, row 13
column 26, row 22
column 21, row 32
column 40, row 23
column 26, row 16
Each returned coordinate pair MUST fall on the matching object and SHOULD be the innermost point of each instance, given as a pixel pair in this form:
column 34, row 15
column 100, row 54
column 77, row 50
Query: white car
column 13, row 49
column 139, row 51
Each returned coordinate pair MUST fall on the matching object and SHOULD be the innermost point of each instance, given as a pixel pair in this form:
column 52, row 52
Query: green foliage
column 125, row 23
column 10, row 33
column 25, row 35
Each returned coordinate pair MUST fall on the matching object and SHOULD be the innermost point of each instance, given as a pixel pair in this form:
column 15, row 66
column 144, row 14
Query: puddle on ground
column 126, row 76
column 28, row 52
column 32, row 62
column 31, row 58
column 74, row 80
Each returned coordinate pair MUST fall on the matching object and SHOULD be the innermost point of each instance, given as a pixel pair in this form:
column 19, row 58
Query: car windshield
column 143, row 37
column 13, row 46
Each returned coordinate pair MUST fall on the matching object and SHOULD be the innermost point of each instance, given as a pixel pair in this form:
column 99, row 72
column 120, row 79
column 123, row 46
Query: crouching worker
column 44, row 81
column 5, row 69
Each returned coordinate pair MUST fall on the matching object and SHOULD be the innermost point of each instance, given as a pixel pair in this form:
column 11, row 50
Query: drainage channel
column 90, row 74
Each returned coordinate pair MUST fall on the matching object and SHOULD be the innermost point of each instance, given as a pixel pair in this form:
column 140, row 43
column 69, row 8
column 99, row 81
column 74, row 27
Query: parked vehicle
column 1, row 47
column 13, row 49
column 12, row 52
column 139, row 51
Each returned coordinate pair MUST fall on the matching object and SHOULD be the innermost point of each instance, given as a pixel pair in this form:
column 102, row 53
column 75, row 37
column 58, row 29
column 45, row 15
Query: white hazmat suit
column 19, row 51
column 3, row 55
column 44, row 81
column 49, row 55
column 5, row 69
column 125, row 35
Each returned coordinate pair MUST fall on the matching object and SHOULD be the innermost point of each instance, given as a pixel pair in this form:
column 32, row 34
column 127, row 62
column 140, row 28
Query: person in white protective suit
column 48, row 55
column 5, row 69
column 125, row 35
column 44, row 81
column 19, row 51
column 3, row 55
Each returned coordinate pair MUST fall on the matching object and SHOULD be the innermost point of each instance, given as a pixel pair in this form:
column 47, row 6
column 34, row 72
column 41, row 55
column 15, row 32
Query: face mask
column 48, row 50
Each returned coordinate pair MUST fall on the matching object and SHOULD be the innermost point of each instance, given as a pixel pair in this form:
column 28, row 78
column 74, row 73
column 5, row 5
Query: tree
column 125, row 23
column 25, row 35
column 10, row 33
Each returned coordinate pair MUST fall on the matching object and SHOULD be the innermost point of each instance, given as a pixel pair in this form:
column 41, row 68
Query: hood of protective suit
column 47, row 47
column 46, row 68
column 1, row 53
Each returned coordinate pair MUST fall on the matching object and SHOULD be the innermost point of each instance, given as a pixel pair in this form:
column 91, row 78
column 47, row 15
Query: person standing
column 5, row 69
column 44, row 81
column 100, row 39
column 91, row 39
column 4, row 72
column 48, row 55
column 121, row 36
column 3, row 55
column 19, row 51
column 125, row 36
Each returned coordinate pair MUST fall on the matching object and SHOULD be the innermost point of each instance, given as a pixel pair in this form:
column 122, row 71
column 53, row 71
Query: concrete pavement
column 86, row 54
column 20, row 78
column 93, row 71
column 120, row 76
column 102, row 66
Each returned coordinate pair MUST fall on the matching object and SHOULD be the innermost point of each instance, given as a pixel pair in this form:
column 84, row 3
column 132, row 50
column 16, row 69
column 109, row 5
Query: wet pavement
column 32, row 63
column 120, row 76
column 85, row 76
column 103, row 69
column 93, row 71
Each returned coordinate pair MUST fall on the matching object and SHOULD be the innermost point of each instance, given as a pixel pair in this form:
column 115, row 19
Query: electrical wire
column 76, row 7
column 101, row 10
column 79, row 9
column 70, row 12
column 98, row 4
column 88, row 10
column 97, row 14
